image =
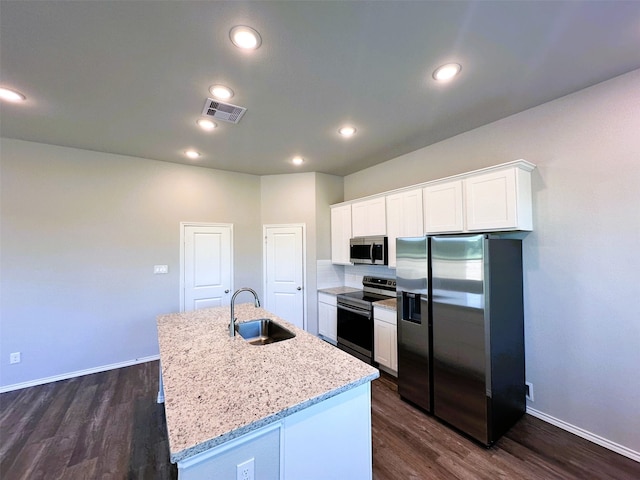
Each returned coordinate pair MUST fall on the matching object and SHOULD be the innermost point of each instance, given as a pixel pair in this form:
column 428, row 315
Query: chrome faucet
column 232, row 325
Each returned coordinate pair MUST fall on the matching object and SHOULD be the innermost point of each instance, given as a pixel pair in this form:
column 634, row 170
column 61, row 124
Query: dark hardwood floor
column 108, row 426
column 407, row 444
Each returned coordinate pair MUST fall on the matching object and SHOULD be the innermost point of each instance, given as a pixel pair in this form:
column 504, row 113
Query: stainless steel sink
column 263, row 331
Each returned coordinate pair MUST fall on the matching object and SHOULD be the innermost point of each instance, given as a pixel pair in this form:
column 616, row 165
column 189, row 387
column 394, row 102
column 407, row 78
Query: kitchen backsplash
column 330, row 275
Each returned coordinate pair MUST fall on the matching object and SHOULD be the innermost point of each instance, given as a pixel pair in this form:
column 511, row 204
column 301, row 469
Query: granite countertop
column 390, row 304
column 218, row 387
column 338, row 290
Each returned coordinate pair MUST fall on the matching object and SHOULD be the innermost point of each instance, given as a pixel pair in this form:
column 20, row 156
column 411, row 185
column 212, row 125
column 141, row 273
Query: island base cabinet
column 263, row 446
column 330, row 440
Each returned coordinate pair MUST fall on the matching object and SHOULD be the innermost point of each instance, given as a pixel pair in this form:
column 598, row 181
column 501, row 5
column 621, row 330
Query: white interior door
column 284, row 272
column 206, row 266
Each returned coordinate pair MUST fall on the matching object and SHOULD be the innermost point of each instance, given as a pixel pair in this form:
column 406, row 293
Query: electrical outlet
column 160, row 269
column 245, row 470
column 14, row 357
column 529, row 390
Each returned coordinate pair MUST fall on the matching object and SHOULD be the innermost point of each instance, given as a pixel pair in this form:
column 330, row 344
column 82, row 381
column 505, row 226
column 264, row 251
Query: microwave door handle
column 371, row 252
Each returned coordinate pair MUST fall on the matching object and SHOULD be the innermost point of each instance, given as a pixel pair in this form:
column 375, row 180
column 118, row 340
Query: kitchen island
column 299, row 408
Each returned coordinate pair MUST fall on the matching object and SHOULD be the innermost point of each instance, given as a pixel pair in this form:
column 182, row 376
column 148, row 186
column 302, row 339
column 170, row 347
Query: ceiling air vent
column 223, row 111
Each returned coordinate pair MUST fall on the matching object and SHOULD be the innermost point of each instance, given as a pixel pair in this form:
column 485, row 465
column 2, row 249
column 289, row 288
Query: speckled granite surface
column 338, row 290
column 390, row 304
column 218, row 387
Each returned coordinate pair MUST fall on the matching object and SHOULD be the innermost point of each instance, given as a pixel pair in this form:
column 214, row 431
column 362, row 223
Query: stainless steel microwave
column 369, row 250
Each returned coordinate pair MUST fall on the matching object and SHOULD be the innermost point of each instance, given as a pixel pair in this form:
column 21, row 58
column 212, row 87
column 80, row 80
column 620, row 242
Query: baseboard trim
column 592, row 437
column 78, row 373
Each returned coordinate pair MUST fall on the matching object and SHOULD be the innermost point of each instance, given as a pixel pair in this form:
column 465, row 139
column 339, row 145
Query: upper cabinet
column 493, row 199
column 368, row 217
column 340, row 234
column 404, row 218
column 489, row 200
column 443, row 207
column 499, row 200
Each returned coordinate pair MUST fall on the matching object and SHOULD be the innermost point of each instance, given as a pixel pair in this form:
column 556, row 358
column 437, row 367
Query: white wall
column 582, row 261
column 80, row 233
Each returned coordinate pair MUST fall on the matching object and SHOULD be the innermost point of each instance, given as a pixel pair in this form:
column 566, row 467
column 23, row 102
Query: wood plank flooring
column 407, row 444
column 108, row 426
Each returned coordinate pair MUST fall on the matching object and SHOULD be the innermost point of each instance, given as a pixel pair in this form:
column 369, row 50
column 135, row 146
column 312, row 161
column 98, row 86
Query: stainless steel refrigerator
column 472, row 345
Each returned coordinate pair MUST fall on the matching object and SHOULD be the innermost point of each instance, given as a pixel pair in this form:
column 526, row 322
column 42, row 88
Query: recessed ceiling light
column 11, row 95
column 221, row 92
column 206, row 124
column 245, row 37
column 447, row 72
column 347, row 131
column 192, row 154
column 297, row 160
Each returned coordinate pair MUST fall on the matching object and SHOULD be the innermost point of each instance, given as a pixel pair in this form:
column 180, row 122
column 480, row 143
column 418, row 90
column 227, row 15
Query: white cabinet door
column 369, row 217
column 491, row 201
column 340, row 234
column 443, row 208
column 381, row 347
column 404, row 218
column 327, row 316
column 385, row 338
column 499, row 200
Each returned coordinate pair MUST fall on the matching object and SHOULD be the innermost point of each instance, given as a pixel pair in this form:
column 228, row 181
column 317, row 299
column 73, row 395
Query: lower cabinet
column 327, row 317
column 385, row 339
column 328, row 440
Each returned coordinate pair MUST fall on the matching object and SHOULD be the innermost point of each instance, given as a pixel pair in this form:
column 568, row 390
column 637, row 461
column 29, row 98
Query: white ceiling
column 131, row 77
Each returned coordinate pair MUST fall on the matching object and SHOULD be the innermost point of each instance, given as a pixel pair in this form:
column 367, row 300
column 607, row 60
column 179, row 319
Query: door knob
column 226, row 291
column 299, row 288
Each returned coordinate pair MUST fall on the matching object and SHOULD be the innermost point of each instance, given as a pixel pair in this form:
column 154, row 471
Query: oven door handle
column 364, row 313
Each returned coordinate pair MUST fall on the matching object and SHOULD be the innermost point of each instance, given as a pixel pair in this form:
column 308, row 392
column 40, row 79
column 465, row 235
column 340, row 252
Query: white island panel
column 331, row 439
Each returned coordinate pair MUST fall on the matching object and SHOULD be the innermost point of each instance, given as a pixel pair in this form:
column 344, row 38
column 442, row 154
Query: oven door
column 355, row 332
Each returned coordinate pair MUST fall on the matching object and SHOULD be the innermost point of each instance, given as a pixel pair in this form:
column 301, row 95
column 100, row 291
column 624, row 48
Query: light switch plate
column 159, row 269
